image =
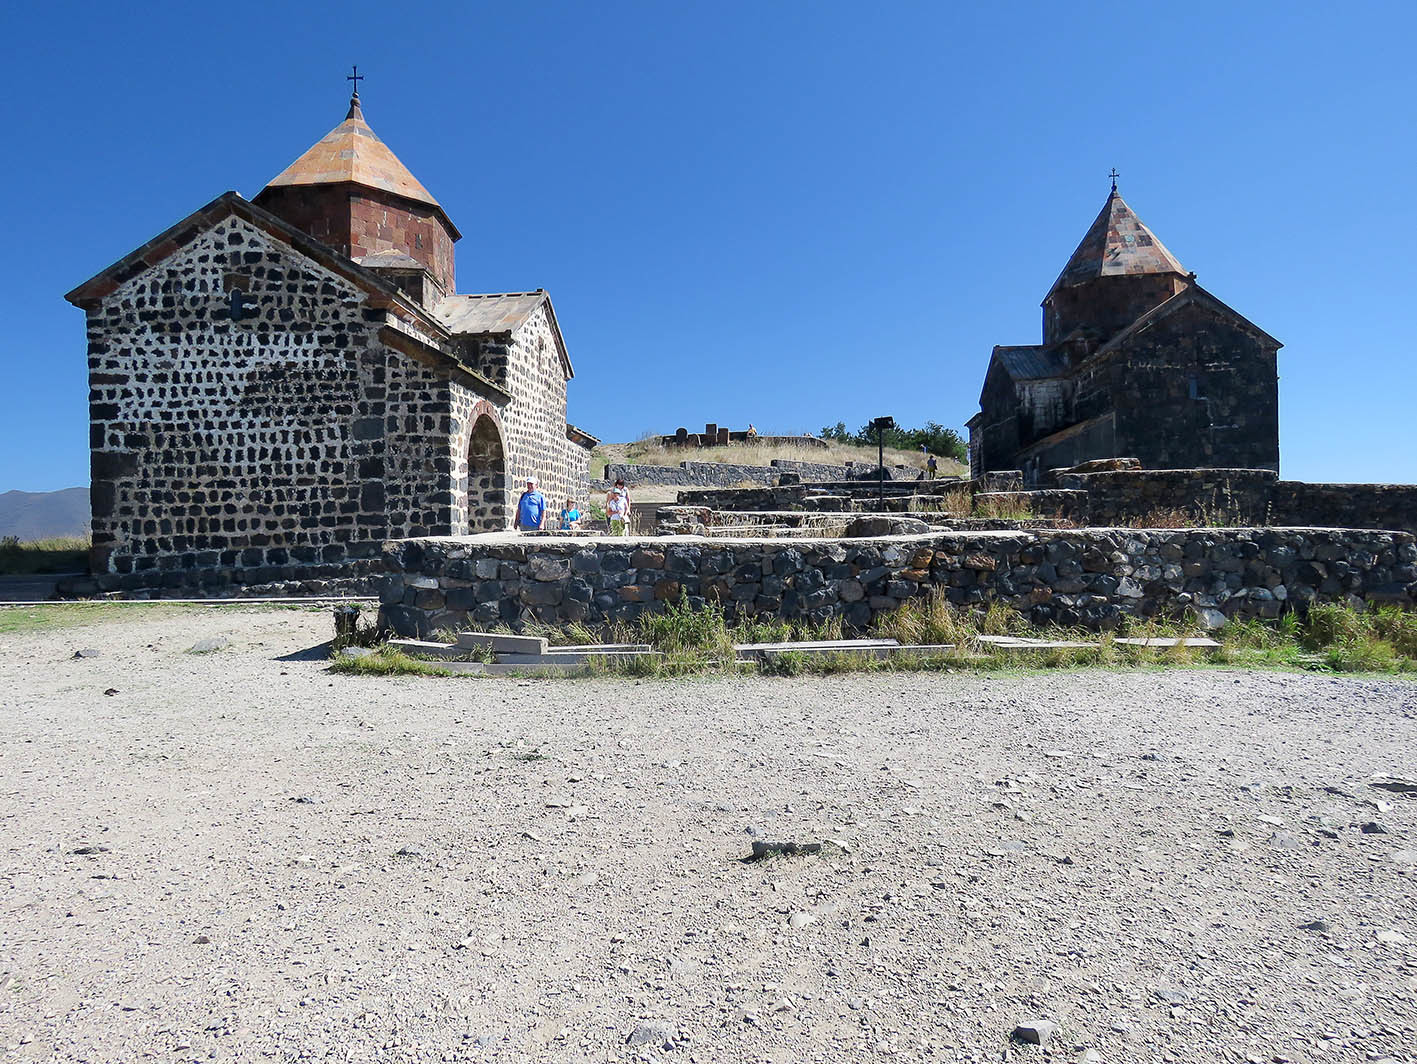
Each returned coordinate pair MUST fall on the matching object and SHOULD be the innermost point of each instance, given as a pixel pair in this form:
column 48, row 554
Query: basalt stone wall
column 1241, row 496
column 303, row 576
column 1345, row 505
column 703, row 474
column 528, row 365
column 1067, row 505
column 726, row 475
column 1232, row 496
column 1089, row 577
column 247, row 441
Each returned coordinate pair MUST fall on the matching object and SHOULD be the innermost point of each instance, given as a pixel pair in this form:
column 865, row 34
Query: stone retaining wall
column 1088, row 577
column 1345, row 505
column 1229, row 496
column 1243, row 497
column 353, row 576
column 727, row 475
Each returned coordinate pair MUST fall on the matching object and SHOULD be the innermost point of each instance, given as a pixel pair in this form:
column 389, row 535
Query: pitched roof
column 1030, row 363
column 1118, row 243
column 499, row 314
column 173, row 239
column 352, row 152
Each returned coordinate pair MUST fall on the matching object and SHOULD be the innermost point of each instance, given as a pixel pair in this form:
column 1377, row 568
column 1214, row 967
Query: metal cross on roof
column 356, row 77
column 1114, row 175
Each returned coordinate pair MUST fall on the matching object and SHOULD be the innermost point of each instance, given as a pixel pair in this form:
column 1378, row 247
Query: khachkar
column 279, row 385
column 1137, row 360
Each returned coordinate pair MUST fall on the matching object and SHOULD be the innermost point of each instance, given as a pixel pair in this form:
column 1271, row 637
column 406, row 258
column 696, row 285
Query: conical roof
column 1118, row 243
column 352, row 152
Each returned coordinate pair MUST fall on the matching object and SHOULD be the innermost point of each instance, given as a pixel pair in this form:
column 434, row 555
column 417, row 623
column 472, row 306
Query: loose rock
column 1035, row 1032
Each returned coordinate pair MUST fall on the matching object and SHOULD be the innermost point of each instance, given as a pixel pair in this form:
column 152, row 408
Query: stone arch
column 486, row 477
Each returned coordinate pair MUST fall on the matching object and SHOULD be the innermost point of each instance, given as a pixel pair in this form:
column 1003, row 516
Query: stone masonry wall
column 727, row 475
column 1088, row 577
column 1229, row 496
column 1345, row 505
column 248, row 442
column 1242, row 496
column 534, row 422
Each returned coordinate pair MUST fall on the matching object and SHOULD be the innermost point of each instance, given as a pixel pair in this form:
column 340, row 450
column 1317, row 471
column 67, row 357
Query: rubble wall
column 1084, row 577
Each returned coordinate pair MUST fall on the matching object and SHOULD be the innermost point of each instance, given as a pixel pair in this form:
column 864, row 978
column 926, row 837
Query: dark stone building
column 1137, row 360
column 277, row 386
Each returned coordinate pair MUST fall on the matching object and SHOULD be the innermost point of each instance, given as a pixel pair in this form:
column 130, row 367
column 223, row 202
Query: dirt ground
column 237, row 855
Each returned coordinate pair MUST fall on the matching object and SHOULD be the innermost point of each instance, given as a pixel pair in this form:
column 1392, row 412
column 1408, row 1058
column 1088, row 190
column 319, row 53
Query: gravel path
column 287, row 864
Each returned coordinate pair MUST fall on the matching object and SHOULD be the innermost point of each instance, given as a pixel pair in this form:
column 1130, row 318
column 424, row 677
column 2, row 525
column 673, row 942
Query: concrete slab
column 818, row 644
column 577, row 656
column 423, row 649
column 511, row 644
column 1169, row 641
column 1014, row 642
column 875, row 653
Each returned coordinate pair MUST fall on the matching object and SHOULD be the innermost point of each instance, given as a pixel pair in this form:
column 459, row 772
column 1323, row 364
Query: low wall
column 1345, row 505
column 1242, row 497
column 353, row 576
column 728, row 475
column 1088, row 577
column 1209, row 496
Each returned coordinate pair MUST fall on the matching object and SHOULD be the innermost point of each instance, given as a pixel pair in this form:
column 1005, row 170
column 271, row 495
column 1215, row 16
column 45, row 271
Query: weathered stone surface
column 1085, row 577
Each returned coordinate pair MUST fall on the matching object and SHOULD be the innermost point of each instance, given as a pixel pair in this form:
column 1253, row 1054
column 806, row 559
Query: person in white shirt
column 617, row 509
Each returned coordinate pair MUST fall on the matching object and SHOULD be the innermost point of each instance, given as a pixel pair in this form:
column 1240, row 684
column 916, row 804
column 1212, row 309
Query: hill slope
column 43, row 514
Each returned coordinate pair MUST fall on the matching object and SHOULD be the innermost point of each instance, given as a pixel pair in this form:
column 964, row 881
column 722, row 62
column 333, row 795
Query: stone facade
column 1138, row 359
column 1087, row 577
column 260, row 400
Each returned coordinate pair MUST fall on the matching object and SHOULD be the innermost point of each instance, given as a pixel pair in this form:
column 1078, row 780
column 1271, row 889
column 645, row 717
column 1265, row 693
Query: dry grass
column 1011, row 506
column 60, row 554
column 1174, row 517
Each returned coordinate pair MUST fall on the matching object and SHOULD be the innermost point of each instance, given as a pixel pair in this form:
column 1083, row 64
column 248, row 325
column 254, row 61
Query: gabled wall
column 289, row 436
column 528, row 365
column 1195, row 389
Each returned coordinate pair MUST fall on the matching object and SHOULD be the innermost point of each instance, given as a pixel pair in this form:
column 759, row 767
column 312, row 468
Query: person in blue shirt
column 570, row 516
column 531, row 507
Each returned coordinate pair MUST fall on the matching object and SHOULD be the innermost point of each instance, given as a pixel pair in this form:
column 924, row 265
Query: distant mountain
column 42, row 514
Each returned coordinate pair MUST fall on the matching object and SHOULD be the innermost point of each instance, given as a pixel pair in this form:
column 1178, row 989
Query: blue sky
column 790, row 214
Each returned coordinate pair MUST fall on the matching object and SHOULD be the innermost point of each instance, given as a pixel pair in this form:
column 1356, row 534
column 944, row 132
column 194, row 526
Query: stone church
column 1137, row 361
column 287, row 382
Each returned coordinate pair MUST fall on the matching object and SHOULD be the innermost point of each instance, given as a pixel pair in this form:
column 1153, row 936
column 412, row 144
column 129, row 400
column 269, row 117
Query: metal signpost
column 882, row 425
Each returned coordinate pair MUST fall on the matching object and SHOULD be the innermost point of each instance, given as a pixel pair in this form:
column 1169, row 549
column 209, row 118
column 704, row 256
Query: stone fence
column 1241, row 496
column 1229, row 496
column 728, row 475
column 1087, row 577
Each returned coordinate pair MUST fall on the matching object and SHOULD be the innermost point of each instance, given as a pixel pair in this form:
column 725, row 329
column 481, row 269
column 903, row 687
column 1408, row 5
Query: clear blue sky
column 789, row 213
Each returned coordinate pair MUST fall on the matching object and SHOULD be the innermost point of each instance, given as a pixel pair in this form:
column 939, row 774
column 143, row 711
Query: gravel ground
column 292, row 865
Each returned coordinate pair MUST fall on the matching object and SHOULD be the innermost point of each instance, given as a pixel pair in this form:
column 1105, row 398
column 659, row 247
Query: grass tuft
column 385, row 661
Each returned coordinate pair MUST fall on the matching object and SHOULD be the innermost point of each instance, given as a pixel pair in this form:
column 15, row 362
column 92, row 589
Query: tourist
column 931, row 465
column 751, row 430
column 617, row 509
column 531, row 507
column 570, row 516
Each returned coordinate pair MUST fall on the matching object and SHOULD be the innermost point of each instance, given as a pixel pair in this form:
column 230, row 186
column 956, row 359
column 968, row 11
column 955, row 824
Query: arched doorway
column 486, row 478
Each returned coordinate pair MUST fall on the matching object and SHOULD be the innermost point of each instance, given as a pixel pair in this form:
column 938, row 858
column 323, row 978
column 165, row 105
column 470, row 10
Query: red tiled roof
column 352, row 152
